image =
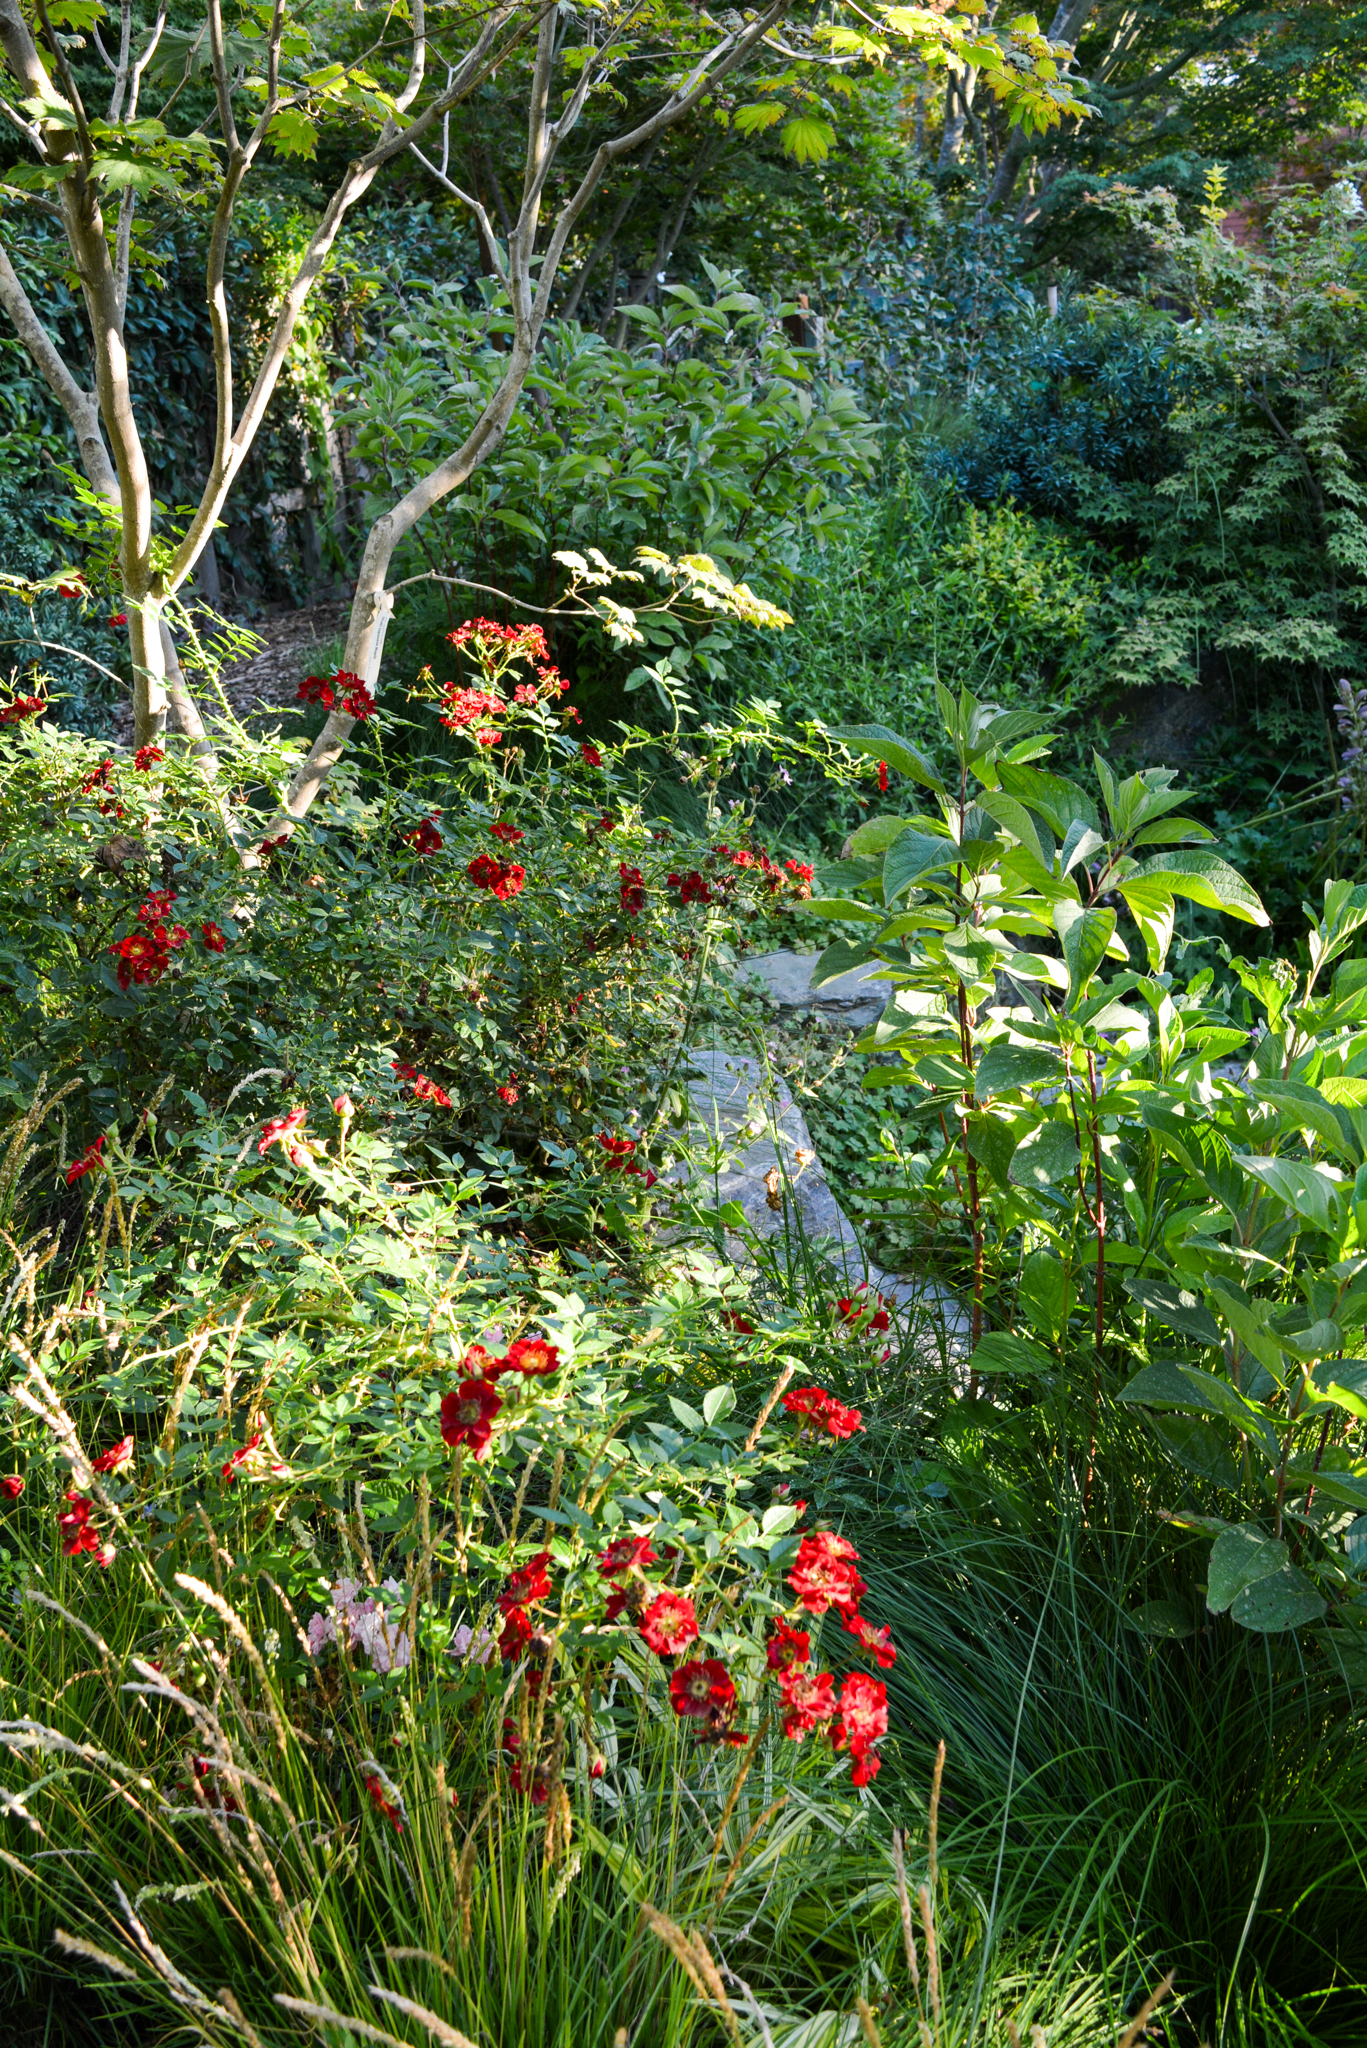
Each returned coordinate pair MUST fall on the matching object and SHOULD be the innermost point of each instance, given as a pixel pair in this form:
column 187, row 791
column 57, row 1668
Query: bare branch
column 486, row 231
column 78, row 405
column 120, row 69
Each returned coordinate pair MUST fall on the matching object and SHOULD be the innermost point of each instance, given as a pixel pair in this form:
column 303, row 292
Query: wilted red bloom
column 808, row 1700
column 424, row 1089
column 269, row 845
column 11, row 1486
column 517, row 1633
column 239, row 1457
column 157, row 906
column 87, row 1162
column 119, row 619
column 77, row 1535
column 507, row 1093
column 691, row 887
column 627, row 1554
column 530, row 1582
column 801, row 872
column 382, row 1804
column 863, row 1719
column 468, row 1413
column 480, row 1364
column 426, row 838
column 533, row 1357
column 702, row 1688
column 316, row 690
column 736, row 1321
column 882, row 775
column 824, row 1574
column 76, row 589
column 787, row 1647
column 280, row 1131
column 823, row 1411
column 99, row 778
column 215, row 939
column 877, row 1641
column 20, row 709
column 632, row 889
column 116, row 1459
column 592, row 757
column 147, row 757
column 509, row 834
column 669, row 1624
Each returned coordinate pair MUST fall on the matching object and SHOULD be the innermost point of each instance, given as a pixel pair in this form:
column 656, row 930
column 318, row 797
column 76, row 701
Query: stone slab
column 762, row 1135
column 857, row 998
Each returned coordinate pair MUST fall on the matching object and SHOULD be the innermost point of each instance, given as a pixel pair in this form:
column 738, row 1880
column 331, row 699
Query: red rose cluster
column 146, row 758
column 821, row 1411
column 632, row 891
column 424, row 1090
column 466, row 708
column 824, row 1577
column 144, row 956
column 691, row 887
column 620, row 1158
column 468, row 1412
column 504, row 877
column 426, row 838
column 353, row 693
column 21, row 708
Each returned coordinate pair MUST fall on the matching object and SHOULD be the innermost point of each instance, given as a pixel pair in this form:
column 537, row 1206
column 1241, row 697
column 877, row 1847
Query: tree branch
column 79, row 406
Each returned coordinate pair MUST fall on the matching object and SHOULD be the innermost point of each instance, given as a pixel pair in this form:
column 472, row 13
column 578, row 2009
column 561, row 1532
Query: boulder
column 856, row 998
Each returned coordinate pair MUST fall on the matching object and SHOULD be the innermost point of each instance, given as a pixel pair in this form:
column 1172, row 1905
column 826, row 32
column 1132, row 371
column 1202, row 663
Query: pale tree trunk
column 529, row 290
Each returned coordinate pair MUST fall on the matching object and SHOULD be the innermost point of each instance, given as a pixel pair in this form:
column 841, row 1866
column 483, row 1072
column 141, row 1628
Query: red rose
column 787, row 1647
column 87, row 1162
column 11, row 1486
column 533, row 1357
column 215, row 939
column 702, row 1688
column 824, row 1575
column 146, row 757
column 627, row 1554
column 116, row 1459
column 669, row 1624
column 426, row 838
column 632, row 890
column 509, row 834
column 530, row 1582
column 877, row 1641
column 808, row 1700
column 592, row 757
column 863, row 1719
column 467, row 1415
column 280, row 1131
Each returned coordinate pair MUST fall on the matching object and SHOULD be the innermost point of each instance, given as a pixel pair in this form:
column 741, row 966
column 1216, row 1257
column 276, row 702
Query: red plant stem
column 1100, row 1219
column 971, row 1168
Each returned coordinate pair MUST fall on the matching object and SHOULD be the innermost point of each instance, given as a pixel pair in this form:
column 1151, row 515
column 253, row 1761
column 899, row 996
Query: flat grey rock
column 768, row 1166
column 858, row 998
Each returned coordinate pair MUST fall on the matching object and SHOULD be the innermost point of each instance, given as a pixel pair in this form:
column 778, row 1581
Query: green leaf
column 1005, row 1351
column 1174, row 1305
column 1344, row 1382
column 1206, row 879
column 1084, row 936
column 718, row 1402
column 1152, row 906
column 913, row 855
column 838, row 906
column 1199, row 1447
column 1010, row 813
column 842, row 956
column 293, row 133
column 757, row 116
column 1044, row 1295
column 876, row 743
column 1238, row 1558
column 1160, row 1386
column 689, row 1417
column 1015, row 1066
column 876, row 835
column 1280, row 1601
column 1165, row 1619
column 1304, row 1108
column 1302, row 1187
column 808, row 139
column 1049, row 1155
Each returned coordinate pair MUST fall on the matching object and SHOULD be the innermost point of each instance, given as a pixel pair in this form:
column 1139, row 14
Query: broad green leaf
column 1344, row 1382
column 1162, row 1618
column 876, row 743
column 1206, row 879
column 1304, row 1108
column 1199, row 1446
column 1014, row 818
column 718, row 1403
column 876, row 835
column 1303, row 1187
column 972, row 957
column 1161, row 1386
column 838, row 906
column 807, row 139
column 1280, row 1601
column 1005, row 1351
column 1174, row 1305
column 1043, row 1295
column 689, row 1417
column 1238, row 1558
column 992, row 1143
column 1249, row 1318
column 1048, row 1156
column 1007, row 1066
column 1152, row 906
column 1084, row 936
column 913, row 855
column 842, row 956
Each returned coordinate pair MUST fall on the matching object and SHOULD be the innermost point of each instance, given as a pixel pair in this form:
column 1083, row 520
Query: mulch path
column 269, row 680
